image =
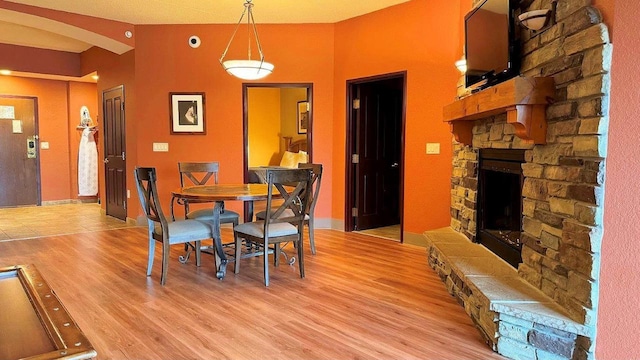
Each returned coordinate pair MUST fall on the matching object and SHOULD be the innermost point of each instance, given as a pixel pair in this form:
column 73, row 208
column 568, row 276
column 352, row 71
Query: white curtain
column 87, row 165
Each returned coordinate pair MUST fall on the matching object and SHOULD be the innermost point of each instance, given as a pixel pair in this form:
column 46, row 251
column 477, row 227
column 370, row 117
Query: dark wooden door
column 377, row 141
column 19, row 171
column 114, row 150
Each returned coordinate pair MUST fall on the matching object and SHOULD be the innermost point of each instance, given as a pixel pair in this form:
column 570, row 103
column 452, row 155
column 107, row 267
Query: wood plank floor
column 37, row 221
column 363, row 298
column 391, row 232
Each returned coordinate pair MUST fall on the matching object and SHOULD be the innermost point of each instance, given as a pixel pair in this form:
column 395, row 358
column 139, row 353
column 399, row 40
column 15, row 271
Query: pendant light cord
column 250, row 24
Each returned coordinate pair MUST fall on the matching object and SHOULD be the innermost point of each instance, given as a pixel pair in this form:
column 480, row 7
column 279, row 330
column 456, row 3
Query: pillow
column 291, row 160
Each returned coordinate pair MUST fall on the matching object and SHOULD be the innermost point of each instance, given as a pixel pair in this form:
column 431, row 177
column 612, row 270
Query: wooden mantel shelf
column 524, row 99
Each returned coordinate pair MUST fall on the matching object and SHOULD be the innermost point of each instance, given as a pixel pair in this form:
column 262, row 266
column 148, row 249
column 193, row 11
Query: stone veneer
column 564, row 179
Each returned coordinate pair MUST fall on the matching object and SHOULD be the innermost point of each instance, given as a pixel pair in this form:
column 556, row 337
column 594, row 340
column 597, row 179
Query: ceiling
column 140, row 12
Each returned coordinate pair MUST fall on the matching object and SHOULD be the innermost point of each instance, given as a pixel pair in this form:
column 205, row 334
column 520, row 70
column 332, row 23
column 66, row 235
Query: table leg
column 249, row 211
column 221, row 260
column 188, row 247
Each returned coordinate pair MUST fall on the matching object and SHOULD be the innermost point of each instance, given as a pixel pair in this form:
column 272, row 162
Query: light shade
column 534, row 20
column 248, row 69
column 462, row 65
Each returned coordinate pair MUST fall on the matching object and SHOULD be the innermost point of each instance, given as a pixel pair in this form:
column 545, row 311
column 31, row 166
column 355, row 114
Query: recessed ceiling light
column 5, row 72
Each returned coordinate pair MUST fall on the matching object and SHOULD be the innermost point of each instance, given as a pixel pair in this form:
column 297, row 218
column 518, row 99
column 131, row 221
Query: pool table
column 33, row 322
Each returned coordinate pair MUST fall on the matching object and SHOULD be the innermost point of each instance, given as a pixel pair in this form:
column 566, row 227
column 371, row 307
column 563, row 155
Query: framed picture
column 187, row 113
column 303, row 117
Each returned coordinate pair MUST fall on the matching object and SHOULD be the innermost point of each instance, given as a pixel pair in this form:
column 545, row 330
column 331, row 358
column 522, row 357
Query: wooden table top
column 223, row 192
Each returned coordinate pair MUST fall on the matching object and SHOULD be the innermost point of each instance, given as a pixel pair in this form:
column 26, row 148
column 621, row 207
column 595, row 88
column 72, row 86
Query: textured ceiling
column 139, row 12
column 215, row 11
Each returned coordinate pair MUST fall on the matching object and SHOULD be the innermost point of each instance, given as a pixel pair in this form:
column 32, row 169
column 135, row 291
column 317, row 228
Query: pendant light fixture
column 247, row 69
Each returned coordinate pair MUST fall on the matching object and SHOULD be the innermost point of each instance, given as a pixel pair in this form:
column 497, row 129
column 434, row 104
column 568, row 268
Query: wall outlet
column 433, row 148
column 44, row 145
column 160, row 147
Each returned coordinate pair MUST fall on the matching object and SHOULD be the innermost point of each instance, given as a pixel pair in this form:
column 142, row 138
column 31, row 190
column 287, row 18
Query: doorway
column 20, row 154
column 276, row 118
column 375, row 153
column 114, row 152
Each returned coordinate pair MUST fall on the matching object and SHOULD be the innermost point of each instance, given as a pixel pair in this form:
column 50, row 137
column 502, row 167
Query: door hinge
column 122, row 106
column 356, row 104
column 354, row 212
column 355, row 159
column 125, row 204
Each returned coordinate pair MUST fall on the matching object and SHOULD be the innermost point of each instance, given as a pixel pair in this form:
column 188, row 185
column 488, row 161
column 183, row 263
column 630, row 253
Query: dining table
column 217, row 194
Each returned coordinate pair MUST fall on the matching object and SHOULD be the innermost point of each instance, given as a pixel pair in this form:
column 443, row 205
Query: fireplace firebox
column 499, row 216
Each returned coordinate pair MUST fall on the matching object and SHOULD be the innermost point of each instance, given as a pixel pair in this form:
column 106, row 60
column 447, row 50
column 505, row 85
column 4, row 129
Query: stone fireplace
column 561, row 199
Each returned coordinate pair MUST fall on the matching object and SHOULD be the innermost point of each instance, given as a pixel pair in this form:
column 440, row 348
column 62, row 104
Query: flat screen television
column 491, row 46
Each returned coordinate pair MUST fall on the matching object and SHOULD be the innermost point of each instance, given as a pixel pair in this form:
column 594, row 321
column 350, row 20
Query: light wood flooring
column 362, row 298
column 36, row 221
column 391, row 232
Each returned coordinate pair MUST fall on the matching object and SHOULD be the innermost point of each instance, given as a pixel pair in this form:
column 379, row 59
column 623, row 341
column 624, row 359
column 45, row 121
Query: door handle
column 31, row 147
column 106, row 160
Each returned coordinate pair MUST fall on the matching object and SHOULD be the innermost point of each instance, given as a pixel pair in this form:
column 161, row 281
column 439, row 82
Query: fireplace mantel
column 524, row 99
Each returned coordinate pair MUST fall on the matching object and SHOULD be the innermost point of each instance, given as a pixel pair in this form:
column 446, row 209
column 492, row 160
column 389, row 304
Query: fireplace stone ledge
column 511, row 314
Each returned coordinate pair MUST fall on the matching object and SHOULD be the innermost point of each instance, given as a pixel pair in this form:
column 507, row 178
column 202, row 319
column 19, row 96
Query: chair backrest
column 316, row 180
column 198, row 173
column 148, row 195
column 292, row 186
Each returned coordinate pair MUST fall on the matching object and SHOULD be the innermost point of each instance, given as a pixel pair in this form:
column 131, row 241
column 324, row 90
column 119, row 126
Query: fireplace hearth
column 499, row 213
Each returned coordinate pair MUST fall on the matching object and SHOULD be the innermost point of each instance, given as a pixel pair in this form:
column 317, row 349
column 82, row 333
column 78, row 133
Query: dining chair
column 316, row 180
column 162, row 230
column 199, row 173
column 291, row 186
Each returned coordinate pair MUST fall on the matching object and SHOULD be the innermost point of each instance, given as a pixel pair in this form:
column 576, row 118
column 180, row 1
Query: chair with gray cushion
column 199, row 173
column 316, row 180
column 291, row 185
column 160, row 229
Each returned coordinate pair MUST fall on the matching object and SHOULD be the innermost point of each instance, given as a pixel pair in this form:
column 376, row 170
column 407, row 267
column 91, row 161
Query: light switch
column 160, row 147
column 44, row 145
column 433, row 148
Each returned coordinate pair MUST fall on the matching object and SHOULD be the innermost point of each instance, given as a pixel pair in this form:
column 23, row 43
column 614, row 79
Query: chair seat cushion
column 256, row 229
column 185, row 230
column 227, row 216
column 286, row 213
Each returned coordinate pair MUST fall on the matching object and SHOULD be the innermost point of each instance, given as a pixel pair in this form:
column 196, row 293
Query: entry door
column 377, row 141
column 114, row 149
column 19, row 154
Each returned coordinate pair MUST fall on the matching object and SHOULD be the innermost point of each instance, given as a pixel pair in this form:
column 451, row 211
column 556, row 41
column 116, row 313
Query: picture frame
column 187, row 113
column 303, row 117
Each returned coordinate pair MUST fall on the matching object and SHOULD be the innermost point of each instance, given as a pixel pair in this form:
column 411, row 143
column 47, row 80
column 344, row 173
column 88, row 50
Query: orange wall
column 264, row 128
column 410, row 37
column 80, row 94
column 618, row 317
column 289, row 114
column 165, row 63
column 43, row 61
column 53, row 128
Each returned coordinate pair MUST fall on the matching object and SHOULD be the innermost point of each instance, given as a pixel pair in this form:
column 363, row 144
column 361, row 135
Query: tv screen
column 490, row 44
